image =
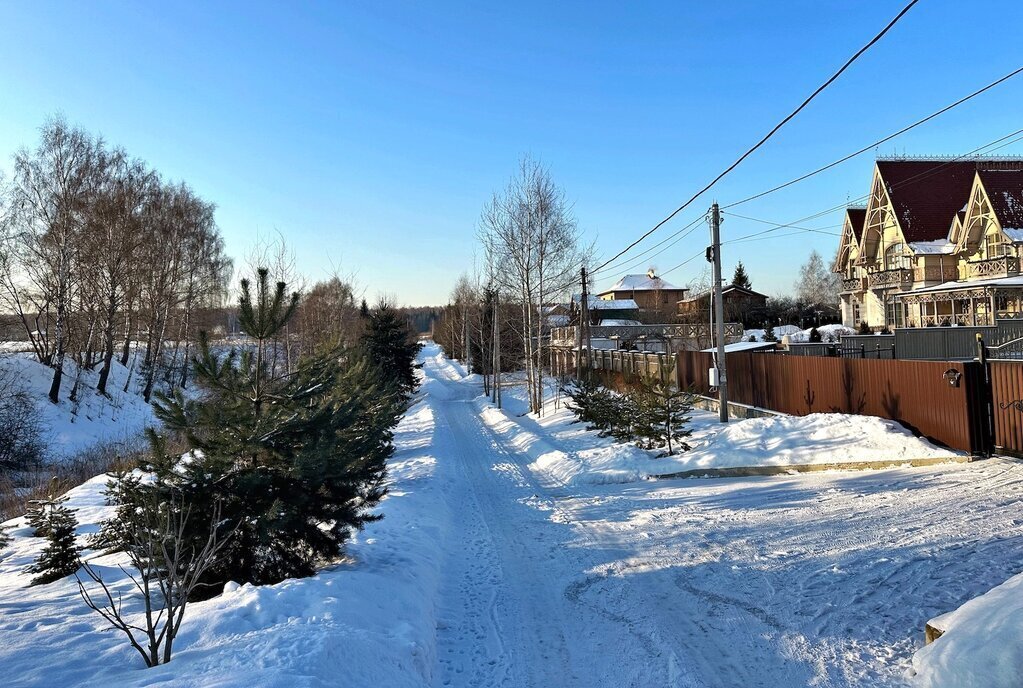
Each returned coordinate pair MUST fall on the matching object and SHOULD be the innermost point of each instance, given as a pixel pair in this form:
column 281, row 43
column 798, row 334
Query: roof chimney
column 651, row 273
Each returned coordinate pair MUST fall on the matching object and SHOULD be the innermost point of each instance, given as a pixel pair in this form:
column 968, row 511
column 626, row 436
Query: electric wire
column 769, row 134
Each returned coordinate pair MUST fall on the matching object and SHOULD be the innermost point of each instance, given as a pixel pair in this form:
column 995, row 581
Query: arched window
column 895, row 257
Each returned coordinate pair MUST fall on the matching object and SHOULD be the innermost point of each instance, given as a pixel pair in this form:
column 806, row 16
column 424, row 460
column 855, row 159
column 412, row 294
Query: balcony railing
column 936, row 273
column 1006, row 266
column 852, row 285
column 888, row 279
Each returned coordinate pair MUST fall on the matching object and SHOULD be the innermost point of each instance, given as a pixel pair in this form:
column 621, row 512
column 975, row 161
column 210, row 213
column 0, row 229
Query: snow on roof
column 618, row 322
column 1015, row 235
column 641, row 283
column 938, row 246
column 598, row 304
column 970, row 284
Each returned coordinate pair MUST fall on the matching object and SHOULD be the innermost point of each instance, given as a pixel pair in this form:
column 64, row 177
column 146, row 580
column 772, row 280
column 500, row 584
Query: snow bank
column 829, row 333
column 795, row 334
column 569, row 454
column 779, row 332
column 370, row 621
column 70, row 427
column 982, row 644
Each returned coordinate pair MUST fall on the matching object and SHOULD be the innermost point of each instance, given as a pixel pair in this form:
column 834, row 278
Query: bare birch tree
column 531, row 236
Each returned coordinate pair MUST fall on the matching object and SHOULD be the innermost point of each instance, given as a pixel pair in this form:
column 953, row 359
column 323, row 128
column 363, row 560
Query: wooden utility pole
column 583, row 323
column 497, row 349
column 719, row 313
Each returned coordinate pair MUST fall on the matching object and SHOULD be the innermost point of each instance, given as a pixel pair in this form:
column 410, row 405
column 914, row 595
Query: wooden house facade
column 938, row 244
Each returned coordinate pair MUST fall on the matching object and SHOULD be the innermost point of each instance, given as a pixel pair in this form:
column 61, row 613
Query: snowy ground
column 485, row 572
column 368, row 622
column 566, row 452
column 982, row 644
column 70, row 427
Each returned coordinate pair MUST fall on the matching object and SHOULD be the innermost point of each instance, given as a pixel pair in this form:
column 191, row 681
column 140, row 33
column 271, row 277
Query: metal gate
column 1007, row 405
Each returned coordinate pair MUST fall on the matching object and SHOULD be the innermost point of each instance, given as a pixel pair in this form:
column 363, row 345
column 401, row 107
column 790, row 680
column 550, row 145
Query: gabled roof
column 744, row 290
column 856, row 217
column 1004, row 190
column 727, row 289
column 926, row 194
column 641, row 283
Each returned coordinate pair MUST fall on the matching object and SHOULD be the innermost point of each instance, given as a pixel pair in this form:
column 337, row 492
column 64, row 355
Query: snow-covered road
column 820, row 579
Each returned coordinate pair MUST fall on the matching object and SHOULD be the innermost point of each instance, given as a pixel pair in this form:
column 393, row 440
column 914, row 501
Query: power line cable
column 769, row 134
column 681, row 234
column 922, row 175
column 876, row 143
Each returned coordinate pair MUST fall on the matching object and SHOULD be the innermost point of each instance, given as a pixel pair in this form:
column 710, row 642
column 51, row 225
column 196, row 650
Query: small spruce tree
column 864, row 328
column 38, row 513
column 389, row 344
column 60, row 556
column 581, row 394
column 769, row 335
column 662, row 416
column 815, row 335
column 5, row 537
column 740, row 278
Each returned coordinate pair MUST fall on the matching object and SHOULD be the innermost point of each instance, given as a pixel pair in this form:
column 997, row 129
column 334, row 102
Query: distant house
column 649, row 292
column 556, row 315
column 605, row 309
column 740, row 304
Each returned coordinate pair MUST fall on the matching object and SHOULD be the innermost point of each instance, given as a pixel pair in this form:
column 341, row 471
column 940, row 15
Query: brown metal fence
column 944, row 401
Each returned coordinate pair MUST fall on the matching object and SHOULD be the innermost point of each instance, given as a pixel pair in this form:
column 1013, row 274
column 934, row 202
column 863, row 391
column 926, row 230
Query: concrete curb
column 753, row 471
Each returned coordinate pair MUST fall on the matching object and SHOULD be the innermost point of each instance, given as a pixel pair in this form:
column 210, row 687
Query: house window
column 994, row 246
column 856, row 313
column 894, row 313
column 895, row 257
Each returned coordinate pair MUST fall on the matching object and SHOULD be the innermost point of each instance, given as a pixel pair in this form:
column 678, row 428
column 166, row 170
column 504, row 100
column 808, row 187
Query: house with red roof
column 938, row 243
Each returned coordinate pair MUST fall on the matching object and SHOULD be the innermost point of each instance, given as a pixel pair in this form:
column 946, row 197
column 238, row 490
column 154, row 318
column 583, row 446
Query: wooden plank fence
column 629, row 363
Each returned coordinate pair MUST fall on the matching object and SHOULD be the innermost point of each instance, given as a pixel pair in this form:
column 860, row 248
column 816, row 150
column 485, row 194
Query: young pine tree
column 815, row 335
column 662, row 416
column 582, row 393
column 293, row 461
column 5, row 537
column 60, row 556
column 769, row 335
column 38, row 514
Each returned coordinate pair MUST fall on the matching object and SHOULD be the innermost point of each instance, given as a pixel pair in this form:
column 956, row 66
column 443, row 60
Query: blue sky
column 370, row 134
